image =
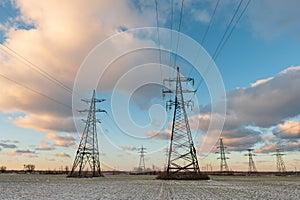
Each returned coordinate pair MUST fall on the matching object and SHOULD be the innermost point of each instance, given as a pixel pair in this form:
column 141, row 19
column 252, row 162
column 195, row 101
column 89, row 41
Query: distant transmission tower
column 86, row 163
column 182, row 157
column 223, row 158
column 142, row 152
column 280, row 164
column 252, row 169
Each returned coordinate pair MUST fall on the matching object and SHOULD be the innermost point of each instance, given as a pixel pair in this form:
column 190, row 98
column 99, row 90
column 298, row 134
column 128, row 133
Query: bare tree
column 2, row 169
column 29, row 168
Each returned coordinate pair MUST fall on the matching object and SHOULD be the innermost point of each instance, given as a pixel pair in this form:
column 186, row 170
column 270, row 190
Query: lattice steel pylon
column 280, row 164
column 182, row 153
column 223, row 158
column 251, row 169
column 86, row 162
column 142, row 152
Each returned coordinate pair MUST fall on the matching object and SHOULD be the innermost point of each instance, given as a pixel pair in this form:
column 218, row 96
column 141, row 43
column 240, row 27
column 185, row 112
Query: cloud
column 63, row 154
column 200, row 121
column 166, row 135
column 267, row 148
column 129, row 148
column 23, row 152
column 50, row 159
column 46, row 123
column 201, row 15
column 240, row 139
column 284, row 145
column 264, row 105
column 268, row 103
column 259, row 82
column 288, row 130
column 145, row 96
column 10, row 141
column 291, row 146
column 8, row 146
column 44, row 146
column 56, row 36
column 62, row 141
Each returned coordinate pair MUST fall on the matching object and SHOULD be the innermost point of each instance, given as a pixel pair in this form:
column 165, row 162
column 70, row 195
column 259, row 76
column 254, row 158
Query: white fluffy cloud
column 268, row 103
column 45, row 123
column 60, row 36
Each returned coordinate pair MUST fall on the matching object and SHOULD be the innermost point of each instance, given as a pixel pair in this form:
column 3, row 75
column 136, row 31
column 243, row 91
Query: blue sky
column 56, row 37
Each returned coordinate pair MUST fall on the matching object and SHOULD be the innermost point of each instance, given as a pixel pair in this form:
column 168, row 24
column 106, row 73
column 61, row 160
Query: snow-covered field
column 146, row 187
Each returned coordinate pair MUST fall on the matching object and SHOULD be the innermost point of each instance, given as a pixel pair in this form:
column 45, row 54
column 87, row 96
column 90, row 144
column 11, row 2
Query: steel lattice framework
column 223, row 158
column 142, row 160
column 87, row 163
column 182, row 153
column 280, row 164
column 252, row 169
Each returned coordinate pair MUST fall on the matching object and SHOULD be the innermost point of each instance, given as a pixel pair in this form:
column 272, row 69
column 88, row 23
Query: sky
column 52, row 51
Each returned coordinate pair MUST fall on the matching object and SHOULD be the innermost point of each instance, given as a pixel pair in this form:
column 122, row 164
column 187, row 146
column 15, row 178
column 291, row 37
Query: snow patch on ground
column 146, row 187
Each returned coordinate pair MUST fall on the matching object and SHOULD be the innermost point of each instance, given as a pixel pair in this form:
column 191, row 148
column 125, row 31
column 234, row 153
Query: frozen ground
column 146, row 187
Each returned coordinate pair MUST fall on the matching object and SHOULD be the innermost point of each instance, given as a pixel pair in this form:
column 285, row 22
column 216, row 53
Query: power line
column 210, row 22
column 179, row 29
column 206, row 32
column 171, row 43
column 36, row 68
column 35, row 91
column 234, row 26
column 33, row 66
column 227, row 28
column 223, row 39
column 208, row 66
column 157, row 29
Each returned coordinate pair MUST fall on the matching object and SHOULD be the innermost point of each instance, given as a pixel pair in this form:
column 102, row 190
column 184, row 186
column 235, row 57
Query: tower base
column 182, row 176
column 86, row 174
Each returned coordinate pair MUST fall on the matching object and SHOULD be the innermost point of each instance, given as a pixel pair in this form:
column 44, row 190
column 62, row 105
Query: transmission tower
column 223, row 158
column 280, row 164
column 252, row 169
column 86, row 163
column 142, row 152
column 182, row 157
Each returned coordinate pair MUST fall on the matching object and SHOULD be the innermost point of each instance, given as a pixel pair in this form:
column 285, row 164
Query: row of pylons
column 251, row 165
column 182, row 160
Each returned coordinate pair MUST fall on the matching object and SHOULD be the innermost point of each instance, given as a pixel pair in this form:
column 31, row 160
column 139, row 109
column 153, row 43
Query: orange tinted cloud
column 63, row 141
column 62, row 154
column 289, row 129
